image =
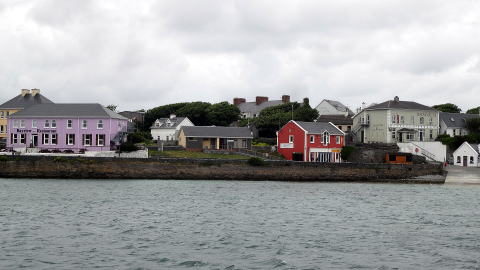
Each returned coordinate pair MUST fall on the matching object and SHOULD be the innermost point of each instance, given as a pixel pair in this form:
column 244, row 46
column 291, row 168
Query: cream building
column 396, row 121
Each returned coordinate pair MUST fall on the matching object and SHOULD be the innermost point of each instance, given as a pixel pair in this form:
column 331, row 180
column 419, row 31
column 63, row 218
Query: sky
column 142, row 54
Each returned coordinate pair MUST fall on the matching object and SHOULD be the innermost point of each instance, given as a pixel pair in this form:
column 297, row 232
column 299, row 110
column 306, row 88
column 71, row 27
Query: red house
column 310, row 141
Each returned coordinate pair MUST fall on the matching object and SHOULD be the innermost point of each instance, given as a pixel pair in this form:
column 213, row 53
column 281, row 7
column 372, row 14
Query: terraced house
column 395, row 121
column 65, row 128
column 26, row 99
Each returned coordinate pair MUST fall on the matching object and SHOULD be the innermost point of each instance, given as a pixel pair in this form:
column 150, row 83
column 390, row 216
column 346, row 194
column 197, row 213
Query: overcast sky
column 141, row 54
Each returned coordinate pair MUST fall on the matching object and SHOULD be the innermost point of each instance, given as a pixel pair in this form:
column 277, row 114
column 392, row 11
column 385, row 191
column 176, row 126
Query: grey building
column 333, row 107
column 253, row 109
column 455, row 124
column 395, row 121
column 197, row 138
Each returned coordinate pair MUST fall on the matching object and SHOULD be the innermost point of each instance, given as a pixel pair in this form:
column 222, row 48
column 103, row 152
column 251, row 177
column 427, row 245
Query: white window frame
column 2, row 114
column 87, row 137
column 34, row 123
column 23, row 138
column 22, row 123
column 70, row 139
column 54, row 124
column 2, row 129
column 100, row 124
column 290, row 138
column 338, row 139
column 84, row 124
column 325, row 138
column 312, row 138
column 54, row 137
column 46, row 139
column 46, row 124
column 98, row 139
column 69, row 124
column 15, row 123
column 471, row 159
column 422, row 120
column 14, row 138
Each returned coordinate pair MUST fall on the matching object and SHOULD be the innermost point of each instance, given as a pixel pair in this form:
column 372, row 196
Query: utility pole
column 292, row 111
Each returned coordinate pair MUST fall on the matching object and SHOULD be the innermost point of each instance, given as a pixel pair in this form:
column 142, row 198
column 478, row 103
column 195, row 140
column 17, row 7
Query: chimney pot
column 259, row 100
column 238, row 101
column 35, row 91
column 25, row 92
column 285, row 98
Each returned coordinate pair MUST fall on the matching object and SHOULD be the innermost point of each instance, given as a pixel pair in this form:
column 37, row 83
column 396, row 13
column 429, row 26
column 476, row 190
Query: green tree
column 223, row 114
column 112, row 107
column 196, row 112
column 473, row 125
column 160, row 112
column 474, row 110
column 447, row 107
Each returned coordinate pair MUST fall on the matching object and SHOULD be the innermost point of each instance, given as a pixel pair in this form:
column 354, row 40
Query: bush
column 3, row 158
column 346, row 152
column 254, row 161
column 139, row 137
column 128, row 147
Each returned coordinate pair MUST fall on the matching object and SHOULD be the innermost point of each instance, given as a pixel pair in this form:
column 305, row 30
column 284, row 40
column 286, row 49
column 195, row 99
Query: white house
column 455, row 124
column 466, row 155
column 168, row 129
column 332, row 107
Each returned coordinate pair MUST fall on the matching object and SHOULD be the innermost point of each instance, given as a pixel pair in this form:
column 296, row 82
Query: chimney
column 259, row 100
column 35, row 91
column 285, row 98
column 306, row 101
column 238, row 101
column 25, row 92
column 173, row 116
column 396, row 99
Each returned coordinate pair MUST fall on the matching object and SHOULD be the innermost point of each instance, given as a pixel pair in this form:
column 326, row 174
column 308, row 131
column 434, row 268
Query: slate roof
column 174, row 122
column 339, row 106
column 456, row 120
column 253, row 108
column 473, row 145
column 336, row 119
column 214, row 132
column 67, row 110
column 319, row 127
column 21, row 102
column 408, row 105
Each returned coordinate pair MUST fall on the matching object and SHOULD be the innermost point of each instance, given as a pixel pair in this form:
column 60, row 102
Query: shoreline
column 60, row 167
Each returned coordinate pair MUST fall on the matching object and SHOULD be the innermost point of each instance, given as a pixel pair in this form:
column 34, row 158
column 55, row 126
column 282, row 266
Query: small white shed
column 467, row 155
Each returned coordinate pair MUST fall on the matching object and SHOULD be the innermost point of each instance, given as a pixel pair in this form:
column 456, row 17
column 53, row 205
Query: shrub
column 139, row 137
column 128, row 147
column 346, row 152
column 254, row 161
column 3, row 158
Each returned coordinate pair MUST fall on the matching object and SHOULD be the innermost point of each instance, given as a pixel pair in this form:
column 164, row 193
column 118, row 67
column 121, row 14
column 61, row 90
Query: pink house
column 66, row 128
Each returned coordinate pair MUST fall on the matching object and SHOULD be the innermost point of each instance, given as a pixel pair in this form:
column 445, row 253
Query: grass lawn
column 188, row 154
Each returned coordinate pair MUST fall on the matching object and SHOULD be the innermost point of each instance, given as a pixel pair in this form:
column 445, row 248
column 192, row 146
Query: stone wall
column 161, row 168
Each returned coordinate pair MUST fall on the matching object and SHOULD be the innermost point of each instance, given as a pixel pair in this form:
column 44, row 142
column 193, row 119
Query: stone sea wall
column 161, row 168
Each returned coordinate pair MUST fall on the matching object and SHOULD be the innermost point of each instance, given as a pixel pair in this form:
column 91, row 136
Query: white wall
column 170, row 132
column 436, row 148
column 465, row 150
column 324, row 108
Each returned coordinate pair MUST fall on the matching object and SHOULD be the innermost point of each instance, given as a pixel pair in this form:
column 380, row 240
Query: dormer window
column 451, row 119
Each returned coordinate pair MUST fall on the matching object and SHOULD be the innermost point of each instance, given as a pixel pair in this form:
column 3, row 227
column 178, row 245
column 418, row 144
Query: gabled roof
column 339, row 106
column 472, row 146
column 252, row 107
column 215, row 132
column 336, row 119
column 21, row 102
column 399, row 104
column 456, row 120
column 67, row 110
column 319, row 127
column 168, row 123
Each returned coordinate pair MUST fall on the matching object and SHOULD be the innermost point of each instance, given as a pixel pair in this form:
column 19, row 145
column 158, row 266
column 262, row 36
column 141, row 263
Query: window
column 47, row 124
column 340, row 127
column 2, row 114
column 431, row 121
column 312, row 138
column 45, row 138
column 431, row 134
column 393, row 119
column 454, row 132
column 471, row 160
column 326, row 138
column 69, row 124
column 22, row 123
column 34, row 123
column 54, row 123
column 100, row 124
column 15, row 123
column 84, row 124
column 100, row 139
column 290, row 138
column 54, row 139
column 338, row 139
column 409, row 136
column 2, row 130
column 402, row 119
column 412, row 119
column 70, row 139
column 87, row 139
column 422, row 121
column 394, row 133
column 458, row 159
column 23, row 138
column 14, row 138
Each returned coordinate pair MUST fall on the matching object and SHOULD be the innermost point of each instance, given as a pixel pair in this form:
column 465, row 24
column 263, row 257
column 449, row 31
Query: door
column 421, row 135
column 34, row 140
column 362, row 134
column 465, row 161
column 400, row 136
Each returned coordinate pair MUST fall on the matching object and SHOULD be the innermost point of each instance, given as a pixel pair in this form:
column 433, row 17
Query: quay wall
column 209, row 169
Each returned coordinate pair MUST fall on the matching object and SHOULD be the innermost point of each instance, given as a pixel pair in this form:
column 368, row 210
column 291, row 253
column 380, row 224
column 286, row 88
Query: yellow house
column 26, row 98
